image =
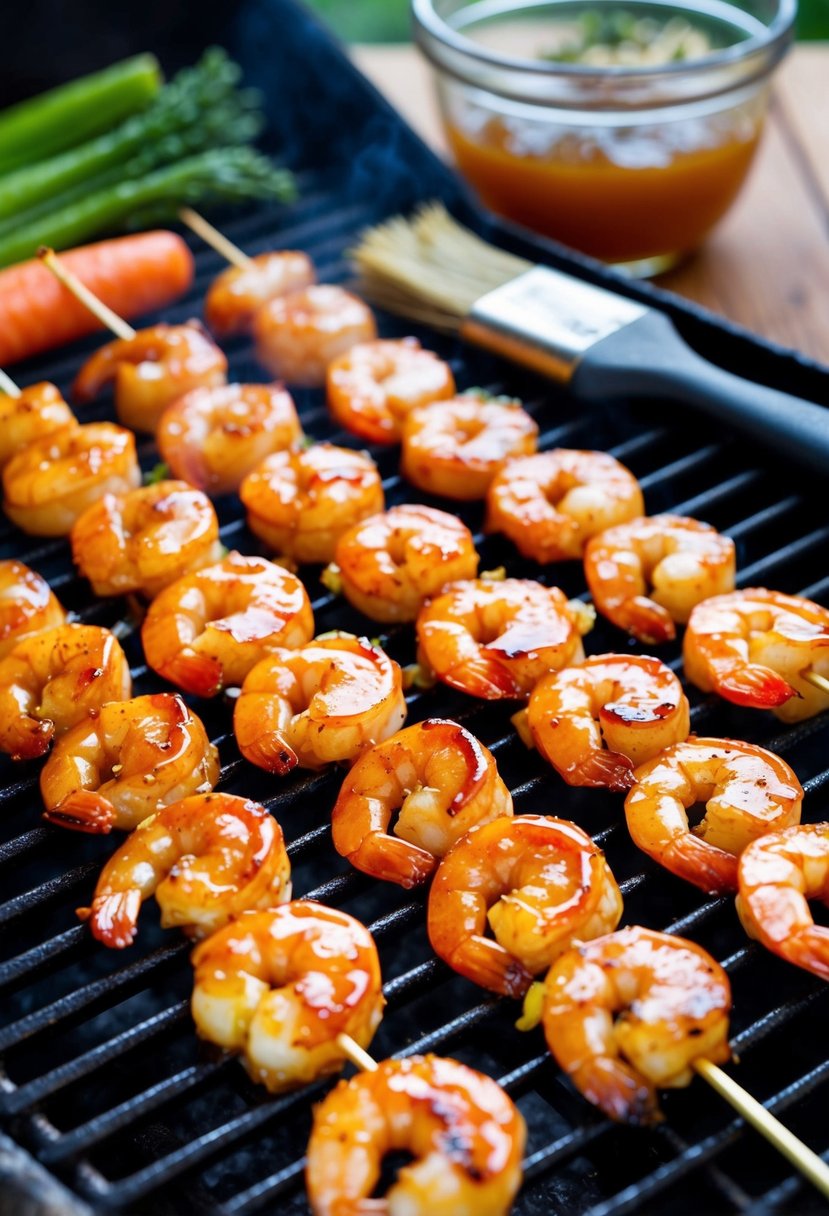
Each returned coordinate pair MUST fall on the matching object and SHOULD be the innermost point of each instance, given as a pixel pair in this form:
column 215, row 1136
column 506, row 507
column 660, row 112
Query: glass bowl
column 632, row 164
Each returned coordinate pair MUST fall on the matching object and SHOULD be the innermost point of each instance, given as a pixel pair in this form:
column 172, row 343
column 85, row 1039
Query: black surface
column 103, row 1078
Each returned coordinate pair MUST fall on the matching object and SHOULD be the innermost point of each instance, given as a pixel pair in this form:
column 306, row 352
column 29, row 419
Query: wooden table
column 767, row 265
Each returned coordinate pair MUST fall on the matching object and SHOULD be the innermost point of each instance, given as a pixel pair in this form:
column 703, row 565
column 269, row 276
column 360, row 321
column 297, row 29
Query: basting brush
column 602, row 345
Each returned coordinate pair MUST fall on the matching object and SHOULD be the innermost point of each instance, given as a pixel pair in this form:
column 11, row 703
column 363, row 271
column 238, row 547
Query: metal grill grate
column 103, row 1078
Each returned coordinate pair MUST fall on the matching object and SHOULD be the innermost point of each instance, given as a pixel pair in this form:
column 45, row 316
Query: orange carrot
column 133, row 275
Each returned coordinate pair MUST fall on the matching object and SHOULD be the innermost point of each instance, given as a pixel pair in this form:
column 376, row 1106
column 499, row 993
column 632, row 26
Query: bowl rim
column 773, row 40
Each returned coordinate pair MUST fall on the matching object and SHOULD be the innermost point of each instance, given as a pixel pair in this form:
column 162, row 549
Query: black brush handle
column 648, row 358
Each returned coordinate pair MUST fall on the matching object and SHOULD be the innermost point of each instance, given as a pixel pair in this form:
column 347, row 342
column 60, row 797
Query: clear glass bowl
column 634, row 165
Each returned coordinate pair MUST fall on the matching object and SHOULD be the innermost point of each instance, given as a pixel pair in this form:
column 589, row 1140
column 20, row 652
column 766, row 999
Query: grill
column 103, row 1079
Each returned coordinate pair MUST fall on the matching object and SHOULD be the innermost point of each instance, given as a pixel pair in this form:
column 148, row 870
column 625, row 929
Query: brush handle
column 647, row 358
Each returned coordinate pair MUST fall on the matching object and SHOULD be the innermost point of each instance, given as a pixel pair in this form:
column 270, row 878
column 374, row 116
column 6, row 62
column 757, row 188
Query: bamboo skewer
column 105, row 315
column 816, row 680
column 7, row 385
column 356, row 1054
column 215, row 239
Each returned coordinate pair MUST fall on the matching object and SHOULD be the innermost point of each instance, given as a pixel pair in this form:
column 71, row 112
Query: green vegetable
column 53, row 121
column 200, row 109
column 219, row 175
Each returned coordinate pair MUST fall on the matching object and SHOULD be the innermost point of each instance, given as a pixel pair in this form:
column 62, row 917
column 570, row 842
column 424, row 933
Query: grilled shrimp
column 299, row 335
column 280, row 986
column 681, row 560
column 150, row 370
column 746, row 792
column 206, row 859
column 207, row 630
column 442, row 781
column 777, row 875
column 50, row 484
column 631, row 1012
column 549, row 505
column 27, row 604
column 455, row 448
column 373, row 386
column 497, row 639
column 38, row 411
column 755, row 647
column 300, row 503
column 464, row 1132
column 326, row 702
column 213, row 437
column 145, row 539
column 50, row 682
column 391, row 563
column 235, row 295
column 126, row 761
column 539, row 883
column 596, row 722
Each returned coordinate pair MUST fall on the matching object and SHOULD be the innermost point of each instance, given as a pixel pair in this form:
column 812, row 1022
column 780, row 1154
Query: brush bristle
column 430, row 268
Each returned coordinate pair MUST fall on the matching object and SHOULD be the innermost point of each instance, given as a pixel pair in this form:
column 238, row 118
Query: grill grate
column 102, row 1076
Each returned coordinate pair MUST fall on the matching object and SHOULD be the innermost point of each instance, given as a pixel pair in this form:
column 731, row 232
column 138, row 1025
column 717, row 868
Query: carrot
column 133, row 275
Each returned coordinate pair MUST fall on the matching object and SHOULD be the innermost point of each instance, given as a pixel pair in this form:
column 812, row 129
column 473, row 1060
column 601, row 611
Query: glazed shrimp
column 126, row 761
column 207, row 630
column 150, row 370
column 235, row 295
column 777, row 876
column 206, row 859
column 464, row 1132
column 746, row 792
column 497, row 639
column 455, row 448
column 596, row 722
column 51, row 681
column 325, row 702
column 280, row 986
column 373, row 386
column 755, row 648
column 681, row 560
column 439, row 777
column 38, row 411
column 390, row 563
column 213, row 437
column 300, row 503
column 549, row 505
column 631, row 1012
column 50, row 484
column 299, row 335
column 27, row 604
column 539, row 883
column 145, row 539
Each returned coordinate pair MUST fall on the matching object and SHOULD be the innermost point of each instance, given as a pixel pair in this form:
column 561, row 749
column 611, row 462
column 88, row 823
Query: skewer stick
column 7, row 385
column 794, row 1150
column 105, row 315
column 215, row 239
column 820, row 682
column 358, row 1057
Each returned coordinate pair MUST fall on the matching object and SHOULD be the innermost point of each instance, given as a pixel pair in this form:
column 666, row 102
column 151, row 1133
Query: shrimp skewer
column 282, row 986
column 442, row 779
column 52, row 680
column 124, row 763
column 206, row 859
column 746, row 790
column 596, row 722
column 299, row 335
column 325, row 702
column 761, row 649
column 206, row 631
column 27, row 605
column 539, row 882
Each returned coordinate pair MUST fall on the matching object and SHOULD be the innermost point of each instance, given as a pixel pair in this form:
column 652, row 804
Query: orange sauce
column 613, row 212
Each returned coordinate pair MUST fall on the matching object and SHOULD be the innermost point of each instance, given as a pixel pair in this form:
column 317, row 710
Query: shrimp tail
column 487, row 963
column 197, row 673
column 270, row 752
column 618, row 1090
column 646, row 620
column 603, row 769
column 755, row 686
column 31, row 738
column 83, row 811
column 484, row 678
column 113, row 918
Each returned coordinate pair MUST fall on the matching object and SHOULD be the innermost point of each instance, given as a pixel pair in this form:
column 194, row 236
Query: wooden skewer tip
column 80, row 291
column 7, row 385
column 215, row 239
column 817, row 680
column 355, row 1053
